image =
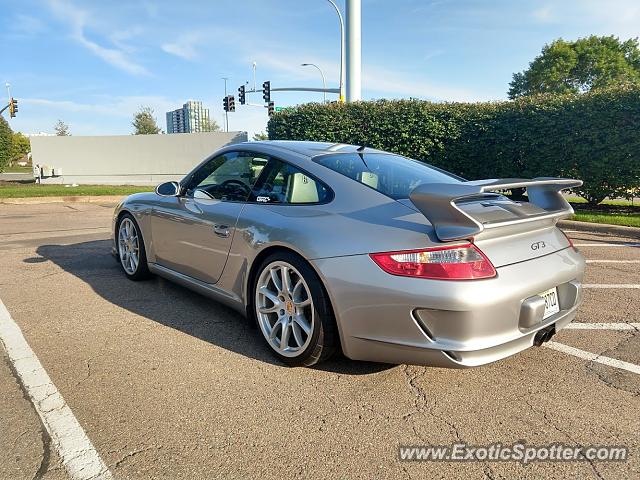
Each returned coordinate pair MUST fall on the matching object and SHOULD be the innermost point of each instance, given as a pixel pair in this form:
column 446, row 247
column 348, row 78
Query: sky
column 93, row 64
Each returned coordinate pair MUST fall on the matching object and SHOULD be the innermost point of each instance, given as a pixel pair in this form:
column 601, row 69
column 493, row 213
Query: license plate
column 551, row 305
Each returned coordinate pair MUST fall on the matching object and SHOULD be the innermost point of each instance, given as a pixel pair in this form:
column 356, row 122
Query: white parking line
column 610, row 285
column 79, row 457
column 626, row 244
column 603, row 326
column 594, row 357
column 613, row 261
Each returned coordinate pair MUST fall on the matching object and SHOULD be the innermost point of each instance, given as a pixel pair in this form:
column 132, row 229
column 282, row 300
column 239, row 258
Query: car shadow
column 175, row 306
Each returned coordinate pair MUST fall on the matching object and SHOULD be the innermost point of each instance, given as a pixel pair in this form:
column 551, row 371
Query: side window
column 229, row 177
column 284, row 183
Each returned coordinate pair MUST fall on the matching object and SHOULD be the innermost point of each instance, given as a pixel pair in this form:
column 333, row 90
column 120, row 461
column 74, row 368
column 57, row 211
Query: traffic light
column 266, row 91
column 13, row 107
column 272, row 108
column 225, row 104
column 241, row 95
column 232, row 103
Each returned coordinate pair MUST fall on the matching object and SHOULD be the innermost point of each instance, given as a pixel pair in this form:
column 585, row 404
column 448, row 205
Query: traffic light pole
column 266, row 91
column 5, row 107
column 299, row 89
column 226, row 113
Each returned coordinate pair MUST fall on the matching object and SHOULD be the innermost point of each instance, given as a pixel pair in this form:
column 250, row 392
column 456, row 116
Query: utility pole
column 226, row 114
column 354, row 50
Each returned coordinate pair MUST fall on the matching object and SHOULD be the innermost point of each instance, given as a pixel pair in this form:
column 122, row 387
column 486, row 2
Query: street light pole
column 324, row 83
column 342, row 69
column 226, row 114
column 254, row 76
column 354, row 50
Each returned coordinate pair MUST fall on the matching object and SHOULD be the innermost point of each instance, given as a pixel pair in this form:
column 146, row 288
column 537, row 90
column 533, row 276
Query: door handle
column 221, row 230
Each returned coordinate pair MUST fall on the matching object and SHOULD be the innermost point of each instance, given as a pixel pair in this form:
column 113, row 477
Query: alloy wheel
column 284, row 308
column 129, row 246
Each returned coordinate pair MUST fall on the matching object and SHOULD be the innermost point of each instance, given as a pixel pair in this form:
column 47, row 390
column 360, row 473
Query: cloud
column 184, row 47
column 77, row 20
column 105, row 115
column 403, row 84
column 121, row 106
column 26, row 26
column 613, row 17
column 544, row 14
column 377, row 79
column 120, row 37
column 187, row 46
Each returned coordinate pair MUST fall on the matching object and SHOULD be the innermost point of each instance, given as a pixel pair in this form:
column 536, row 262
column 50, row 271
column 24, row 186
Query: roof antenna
column 360, row 151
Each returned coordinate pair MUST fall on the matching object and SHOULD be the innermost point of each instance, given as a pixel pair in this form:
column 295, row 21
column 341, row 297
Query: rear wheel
column 131, row 252
column 293, row 312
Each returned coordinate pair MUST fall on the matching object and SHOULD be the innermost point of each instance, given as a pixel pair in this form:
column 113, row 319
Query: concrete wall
column 125, row 159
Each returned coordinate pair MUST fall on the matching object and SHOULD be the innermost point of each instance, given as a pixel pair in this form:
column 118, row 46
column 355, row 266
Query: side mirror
column 168, row 189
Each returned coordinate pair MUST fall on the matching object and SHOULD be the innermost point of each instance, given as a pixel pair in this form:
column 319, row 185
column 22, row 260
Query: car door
column 192, row 233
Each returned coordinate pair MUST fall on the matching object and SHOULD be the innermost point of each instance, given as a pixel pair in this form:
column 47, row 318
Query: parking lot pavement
column 168, row 384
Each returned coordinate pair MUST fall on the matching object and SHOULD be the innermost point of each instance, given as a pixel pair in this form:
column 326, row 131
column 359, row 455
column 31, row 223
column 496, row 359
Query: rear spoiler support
column 437, row 202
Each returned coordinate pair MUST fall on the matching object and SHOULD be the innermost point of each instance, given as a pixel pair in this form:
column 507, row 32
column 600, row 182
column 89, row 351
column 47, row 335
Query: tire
column 277, row 309
column 134, row 270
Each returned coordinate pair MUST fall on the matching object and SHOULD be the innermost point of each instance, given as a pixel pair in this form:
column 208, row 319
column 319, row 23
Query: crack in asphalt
column 88, row 365
column 406, row 472
column 555, row 426
column 422, row 404
column 132, row 454
column 604, row 375
column 45, row 439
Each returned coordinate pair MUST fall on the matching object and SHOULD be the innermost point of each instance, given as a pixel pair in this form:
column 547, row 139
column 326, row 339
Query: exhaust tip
column 544, row 335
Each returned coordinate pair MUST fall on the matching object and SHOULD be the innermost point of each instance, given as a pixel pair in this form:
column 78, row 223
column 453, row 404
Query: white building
column 191, row 118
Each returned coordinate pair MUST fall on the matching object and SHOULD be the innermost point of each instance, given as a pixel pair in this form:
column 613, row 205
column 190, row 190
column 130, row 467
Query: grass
column 20, row 190
column 612, row 212
column 617, row 202
column 17, row 169
column 625, row 219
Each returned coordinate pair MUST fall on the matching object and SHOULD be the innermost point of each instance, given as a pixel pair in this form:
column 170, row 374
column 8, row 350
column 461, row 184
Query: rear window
column 392, row 175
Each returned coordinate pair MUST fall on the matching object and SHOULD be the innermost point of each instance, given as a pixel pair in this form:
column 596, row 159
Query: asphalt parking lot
column 168, row 384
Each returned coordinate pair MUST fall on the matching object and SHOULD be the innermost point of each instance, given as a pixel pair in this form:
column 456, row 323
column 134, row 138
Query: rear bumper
column 459, row 324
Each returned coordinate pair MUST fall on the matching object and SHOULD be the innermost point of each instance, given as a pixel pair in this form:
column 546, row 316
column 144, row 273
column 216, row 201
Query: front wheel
column 131, row 251
column 293, row 312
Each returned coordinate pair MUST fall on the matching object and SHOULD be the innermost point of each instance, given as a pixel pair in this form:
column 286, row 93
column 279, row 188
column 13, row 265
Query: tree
column 260, row 136
column 575, row 67
column 20, row 146
column 62, row 129
column 144, row 123
column 210, row 126
column 6, row 136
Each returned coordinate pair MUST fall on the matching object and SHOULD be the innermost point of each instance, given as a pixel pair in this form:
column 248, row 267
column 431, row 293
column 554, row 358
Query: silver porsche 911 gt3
column 331, row 246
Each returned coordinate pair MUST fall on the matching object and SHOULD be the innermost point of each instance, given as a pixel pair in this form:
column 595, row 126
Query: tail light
column 459, row 262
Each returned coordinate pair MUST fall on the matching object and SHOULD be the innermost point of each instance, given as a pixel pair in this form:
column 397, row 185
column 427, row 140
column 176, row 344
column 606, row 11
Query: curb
column 65, row 199
column 618, row 230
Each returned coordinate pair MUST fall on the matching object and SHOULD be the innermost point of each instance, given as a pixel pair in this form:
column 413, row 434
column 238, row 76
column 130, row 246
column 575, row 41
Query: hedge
column 592, row 136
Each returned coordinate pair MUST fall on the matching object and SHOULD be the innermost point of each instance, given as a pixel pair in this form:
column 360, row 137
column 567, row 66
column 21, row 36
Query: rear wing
column 437, row 202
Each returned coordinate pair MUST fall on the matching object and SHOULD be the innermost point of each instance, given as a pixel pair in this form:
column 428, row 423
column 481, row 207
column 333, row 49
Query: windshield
column 392, row 175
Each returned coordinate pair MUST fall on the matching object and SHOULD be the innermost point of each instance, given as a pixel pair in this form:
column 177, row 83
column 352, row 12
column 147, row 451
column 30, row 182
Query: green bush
column 6, row 143
column 594, row 137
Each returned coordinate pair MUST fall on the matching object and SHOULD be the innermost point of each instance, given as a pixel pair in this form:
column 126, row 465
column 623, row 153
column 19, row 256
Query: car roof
column 312, row 149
